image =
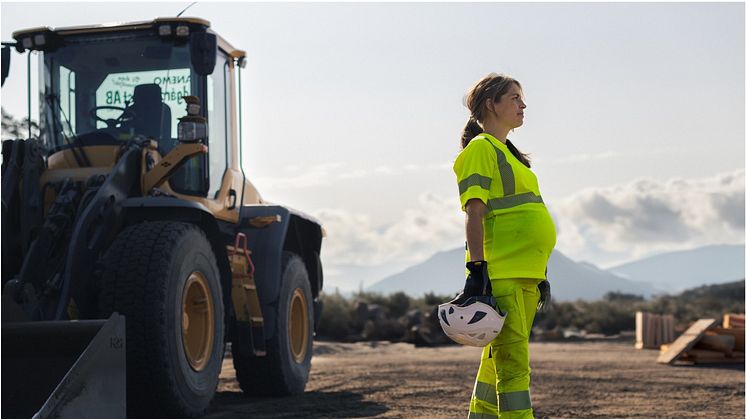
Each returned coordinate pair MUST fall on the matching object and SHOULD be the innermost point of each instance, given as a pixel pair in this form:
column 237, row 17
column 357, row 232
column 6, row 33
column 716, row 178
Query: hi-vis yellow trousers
column 502, row 386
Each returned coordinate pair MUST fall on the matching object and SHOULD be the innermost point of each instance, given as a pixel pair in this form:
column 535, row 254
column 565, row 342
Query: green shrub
column 616, row 312
column 336, row 317
column 397, row 304
column 611, row 315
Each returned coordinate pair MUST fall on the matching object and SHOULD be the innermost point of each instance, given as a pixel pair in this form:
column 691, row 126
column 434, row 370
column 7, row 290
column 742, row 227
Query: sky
column 352, row 112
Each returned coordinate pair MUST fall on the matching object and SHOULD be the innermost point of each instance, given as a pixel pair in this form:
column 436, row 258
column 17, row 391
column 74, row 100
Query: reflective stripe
column 510, row 199
column 506, row 172
column 513, row 201
column 474, row 180
column 485, row 392
column 505, row 169
column 475, row 415
column 517, row 400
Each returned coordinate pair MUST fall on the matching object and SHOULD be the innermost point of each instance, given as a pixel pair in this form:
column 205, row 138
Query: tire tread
column 131, row 284
column 269, row 375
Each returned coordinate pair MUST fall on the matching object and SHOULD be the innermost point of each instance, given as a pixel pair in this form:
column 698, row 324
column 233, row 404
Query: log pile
column 705, row 343
column 653, row 330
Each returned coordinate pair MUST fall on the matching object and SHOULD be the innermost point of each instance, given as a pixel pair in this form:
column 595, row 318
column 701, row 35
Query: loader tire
column 163, row 277
column 285, row 368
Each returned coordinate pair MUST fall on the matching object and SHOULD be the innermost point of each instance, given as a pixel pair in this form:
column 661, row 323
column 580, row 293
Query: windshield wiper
column 82, row 158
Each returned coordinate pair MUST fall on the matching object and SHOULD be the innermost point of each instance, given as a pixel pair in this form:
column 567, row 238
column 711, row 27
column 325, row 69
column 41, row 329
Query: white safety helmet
column 473, row 323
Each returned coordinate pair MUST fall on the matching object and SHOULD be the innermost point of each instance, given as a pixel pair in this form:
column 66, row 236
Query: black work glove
column 545, row 296
column 477, row 282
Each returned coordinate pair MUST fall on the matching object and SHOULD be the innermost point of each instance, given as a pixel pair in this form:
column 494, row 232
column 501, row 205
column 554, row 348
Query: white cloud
column 649, row 216
column 330, row 173
column 604, row 226
column 385, row 170
column 577, row 158
column 302, row 177
column 357, row 173
column 356, row 239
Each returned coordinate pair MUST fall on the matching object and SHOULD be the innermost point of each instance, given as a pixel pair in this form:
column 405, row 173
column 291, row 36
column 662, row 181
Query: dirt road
column 570, row 380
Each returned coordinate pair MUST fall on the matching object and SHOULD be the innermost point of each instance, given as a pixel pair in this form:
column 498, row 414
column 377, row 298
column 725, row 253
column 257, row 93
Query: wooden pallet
column 739, row 336
column 704, row 344
column 653, row 330
column 686, row 341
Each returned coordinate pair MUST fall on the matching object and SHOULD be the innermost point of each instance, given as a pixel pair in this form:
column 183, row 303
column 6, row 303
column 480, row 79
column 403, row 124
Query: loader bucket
column 64, row 369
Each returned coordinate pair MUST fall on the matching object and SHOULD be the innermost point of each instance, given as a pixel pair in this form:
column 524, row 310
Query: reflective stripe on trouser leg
column 505, row 361
column 510, row 350
column 484, row 397
column 516, row 400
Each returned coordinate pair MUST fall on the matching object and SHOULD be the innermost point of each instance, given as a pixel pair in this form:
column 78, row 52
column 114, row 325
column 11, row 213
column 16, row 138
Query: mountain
column 444, row 274
column 582, row 280
column 676, row 271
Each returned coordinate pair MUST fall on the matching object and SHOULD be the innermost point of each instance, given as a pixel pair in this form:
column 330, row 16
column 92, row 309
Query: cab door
column 225, row 174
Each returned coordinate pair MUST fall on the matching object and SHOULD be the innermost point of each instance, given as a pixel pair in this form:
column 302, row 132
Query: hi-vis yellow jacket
column 519, row 233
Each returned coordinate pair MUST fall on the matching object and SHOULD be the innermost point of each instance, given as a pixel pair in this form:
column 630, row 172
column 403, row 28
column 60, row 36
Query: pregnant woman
column 509, row 237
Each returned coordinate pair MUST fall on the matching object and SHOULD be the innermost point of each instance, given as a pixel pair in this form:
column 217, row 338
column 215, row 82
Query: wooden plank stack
column 704, row 343
column 734, row 321
column 653, row 330
column 670, row 353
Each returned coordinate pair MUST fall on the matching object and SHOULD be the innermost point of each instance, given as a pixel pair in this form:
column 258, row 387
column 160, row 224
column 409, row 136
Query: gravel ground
column 569, row 380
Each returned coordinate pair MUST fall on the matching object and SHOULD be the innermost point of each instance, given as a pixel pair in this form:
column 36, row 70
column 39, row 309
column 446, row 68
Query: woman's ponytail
column 471, row 130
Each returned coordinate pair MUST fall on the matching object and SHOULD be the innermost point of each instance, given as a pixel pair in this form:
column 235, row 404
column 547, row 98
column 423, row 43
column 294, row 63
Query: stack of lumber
column 734, row 321
column 653, row 330
column 705, row 343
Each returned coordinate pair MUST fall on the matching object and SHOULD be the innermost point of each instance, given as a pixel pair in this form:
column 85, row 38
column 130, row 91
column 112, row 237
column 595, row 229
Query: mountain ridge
column 682, row 269
column 443, row 273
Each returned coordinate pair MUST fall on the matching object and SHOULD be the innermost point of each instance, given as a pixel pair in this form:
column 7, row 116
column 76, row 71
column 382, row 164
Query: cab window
column 218, row 89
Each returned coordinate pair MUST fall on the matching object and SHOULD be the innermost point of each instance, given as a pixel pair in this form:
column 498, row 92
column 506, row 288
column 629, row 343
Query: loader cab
column 103, row 86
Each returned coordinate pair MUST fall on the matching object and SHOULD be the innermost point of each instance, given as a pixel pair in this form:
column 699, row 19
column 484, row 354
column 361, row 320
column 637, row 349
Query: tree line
column 373, row 316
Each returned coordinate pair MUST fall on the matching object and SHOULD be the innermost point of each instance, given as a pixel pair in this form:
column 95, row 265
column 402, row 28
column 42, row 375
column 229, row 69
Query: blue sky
column 352, row 113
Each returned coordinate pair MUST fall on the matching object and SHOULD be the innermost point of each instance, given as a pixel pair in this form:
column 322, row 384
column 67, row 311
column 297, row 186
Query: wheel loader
column 135, row 251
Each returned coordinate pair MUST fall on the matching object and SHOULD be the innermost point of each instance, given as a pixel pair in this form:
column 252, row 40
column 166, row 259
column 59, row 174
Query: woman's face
column 509, row 110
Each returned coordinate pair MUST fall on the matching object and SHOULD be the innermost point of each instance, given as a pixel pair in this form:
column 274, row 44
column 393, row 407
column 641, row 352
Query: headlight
column 192, row 131
column 40, row 39
column 164, row 30
column 27, row 43
column 182, row 30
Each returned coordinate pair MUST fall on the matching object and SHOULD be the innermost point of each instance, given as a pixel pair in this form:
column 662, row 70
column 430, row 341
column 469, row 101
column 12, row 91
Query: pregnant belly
column 527, row 228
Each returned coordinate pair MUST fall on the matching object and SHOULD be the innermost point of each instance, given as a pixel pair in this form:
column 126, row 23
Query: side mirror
column 204, row 49
column 5, row 64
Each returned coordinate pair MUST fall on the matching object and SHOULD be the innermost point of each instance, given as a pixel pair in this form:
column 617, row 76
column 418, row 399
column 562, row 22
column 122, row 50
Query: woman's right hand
column 477, row 282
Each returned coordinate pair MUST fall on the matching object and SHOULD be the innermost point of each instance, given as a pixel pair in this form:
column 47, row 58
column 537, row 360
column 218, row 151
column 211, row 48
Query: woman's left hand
column 546, row 296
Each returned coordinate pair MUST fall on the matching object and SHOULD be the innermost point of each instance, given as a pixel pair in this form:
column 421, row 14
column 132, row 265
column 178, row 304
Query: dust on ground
column 569, row 380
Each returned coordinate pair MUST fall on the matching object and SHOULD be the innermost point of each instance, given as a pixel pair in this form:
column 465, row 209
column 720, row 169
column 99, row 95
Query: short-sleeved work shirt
column 519, row 233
